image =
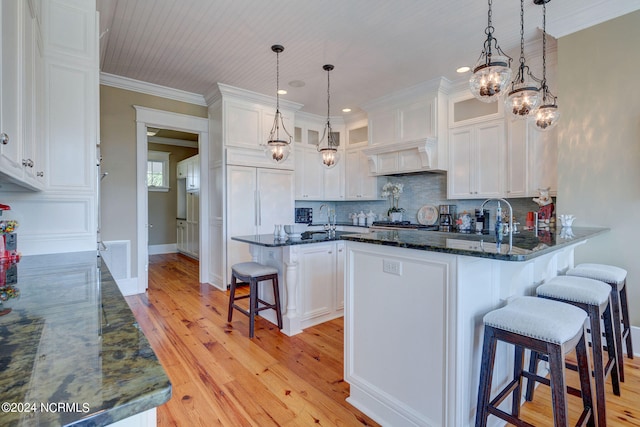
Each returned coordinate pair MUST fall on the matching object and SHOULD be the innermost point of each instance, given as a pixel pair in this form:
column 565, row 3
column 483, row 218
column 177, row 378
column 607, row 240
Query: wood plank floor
column 221, row 377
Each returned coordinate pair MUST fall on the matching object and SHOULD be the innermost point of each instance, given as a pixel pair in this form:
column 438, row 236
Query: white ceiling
column 376, row 46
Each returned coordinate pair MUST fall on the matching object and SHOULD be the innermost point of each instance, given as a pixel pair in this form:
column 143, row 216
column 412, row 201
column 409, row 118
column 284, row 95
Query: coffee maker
column 482, row 221
column 447, row 217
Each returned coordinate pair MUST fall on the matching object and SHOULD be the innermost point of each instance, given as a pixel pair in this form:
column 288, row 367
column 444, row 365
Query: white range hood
column 405, row 157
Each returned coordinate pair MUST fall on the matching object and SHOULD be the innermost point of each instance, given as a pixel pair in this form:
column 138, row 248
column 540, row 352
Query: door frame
column 181, row 122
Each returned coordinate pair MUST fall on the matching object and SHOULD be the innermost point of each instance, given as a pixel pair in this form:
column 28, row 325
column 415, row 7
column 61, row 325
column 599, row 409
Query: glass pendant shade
column 490, row 78
column 492, row 72
column 523, row 99
column 328, row 146
column 278, row 146
column 547, row 115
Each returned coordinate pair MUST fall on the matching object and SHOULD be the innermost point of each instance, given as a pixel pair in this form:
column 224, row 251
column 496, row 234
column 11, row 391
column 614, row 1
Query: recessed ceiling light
column 346, row 110
column 463, row 69
column 282, row 92
column 296, row 83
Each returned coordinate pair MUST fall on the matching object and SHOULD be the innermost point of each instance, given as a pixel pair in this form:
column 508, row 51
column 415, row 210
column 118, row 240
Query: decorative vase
column 396, row 216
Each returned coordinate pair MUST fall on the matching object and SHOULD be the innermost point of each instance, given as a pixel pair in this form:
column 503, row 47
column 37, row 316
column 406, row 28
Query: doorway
column 151, row 118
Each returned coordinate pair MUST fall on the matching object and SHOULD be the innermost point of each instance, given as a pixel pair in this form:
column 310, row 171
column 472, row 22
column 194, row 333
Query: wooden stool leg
column 558, row 385
column 518, row 361
column 253, row 304
column 625, row 321
column 486, row 376
column 615, row 302
column 598, row 365
column 612, row 351
column 533, row 368
column 584, row 371
column 276, row 295
column 232, row 297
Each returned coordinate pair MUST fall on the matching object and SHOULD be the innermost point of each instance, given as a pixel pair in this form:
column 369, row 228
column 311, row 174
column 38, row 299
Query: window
column 158, row 171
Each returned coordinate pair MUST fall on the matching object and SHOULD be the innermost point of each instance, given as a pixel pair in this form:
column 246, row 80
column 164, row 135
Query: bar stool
column 252, row 273
column 594, row 297
column 615, row 277
column 545, row 326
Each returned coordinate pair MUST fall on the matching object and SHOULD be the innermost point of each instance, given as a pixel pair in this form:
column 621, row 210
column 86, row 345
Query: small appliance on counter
column 304, row 215
column 482, row 221
column 447, row 217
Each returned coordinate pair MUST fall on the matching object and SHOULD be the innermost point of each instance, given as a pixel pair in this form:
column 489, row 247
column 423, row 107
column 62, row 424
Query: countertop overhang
column 527, row 244
column 71, row 341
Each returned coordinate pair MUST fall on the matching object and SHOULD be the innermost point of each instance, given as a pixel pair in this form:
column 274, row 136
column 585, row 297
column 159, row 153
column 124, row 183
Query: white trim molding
column 151, row 89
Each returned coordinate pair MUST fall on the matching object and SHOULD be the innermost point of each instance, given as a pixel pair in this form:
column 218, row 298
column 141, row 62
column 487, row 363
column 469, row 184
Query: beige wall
column 599, row 142
column 118, row 149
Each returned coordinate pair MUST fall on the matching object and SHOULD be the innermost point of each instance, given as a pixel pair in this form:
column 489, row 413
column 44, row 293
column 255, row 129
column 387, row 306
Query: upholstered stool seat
column 548, row 327
column 252, row 273
column 615, row 277
column 592, row 296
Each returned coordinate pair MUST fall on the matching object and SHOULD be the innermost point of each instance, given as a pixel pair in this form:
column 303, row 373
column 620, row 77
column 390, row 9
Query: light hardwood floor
column 221, row 377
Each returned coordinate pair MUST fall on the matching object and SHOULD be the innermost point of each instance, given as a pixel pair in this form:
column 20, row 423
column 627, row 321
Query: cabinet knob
column 330, row 252
column 30, row 163
column 40, row 174
column 4, row 138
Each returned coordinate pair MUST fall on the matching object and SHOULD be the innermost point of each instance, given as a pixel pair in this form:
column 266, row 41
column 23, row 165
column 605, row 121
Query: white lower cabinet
column 476, row 161
column 188, row 230
column 321, row 282
column 181, row 235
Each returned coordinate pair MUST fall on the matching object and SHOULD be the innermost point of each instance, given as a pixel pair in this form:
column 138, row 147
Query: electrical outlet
column 392, row 267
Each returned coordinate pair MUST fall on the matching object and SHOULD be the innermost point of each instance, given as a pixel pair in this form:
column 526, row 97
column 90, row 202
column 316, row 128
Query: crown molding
column 151, row 89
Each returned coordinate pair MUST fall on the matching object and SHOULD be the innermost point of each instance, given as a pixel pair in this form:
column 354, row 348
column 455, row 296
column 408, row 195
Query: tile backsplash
column 419, row 190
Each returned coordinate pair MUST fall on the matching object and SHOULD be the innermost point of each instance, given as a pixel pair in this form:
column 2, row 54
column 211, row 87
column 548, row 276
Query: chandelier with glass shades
column 492, row 72
column 547, row 115
column 524, row 96
column 328, row 146
column 278, row 145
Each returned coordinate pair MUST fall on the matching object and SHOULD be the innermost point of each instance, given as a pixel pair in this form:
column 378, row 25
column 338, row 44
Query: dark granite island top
column 526, row 244
column 269, row 240
column 71, row 352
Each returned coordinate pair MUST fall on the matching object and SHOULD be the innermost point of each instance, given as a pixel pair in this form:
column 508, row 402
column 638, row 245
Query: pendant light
column 524, row 96
column 278, row 145
column 548, row 114
column 492, row 72
column 328, row 146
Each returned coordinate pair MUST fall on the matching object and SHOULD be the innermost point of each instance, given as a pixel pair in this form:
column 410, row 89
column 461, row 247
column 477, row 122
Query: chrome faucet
column 510, row 219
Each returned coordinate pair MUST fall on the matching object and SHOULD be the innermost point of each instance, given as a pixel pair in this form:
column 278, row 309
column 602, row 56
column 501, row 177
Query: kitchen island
column 413, row 315
column 310, row 275
column 71, row 350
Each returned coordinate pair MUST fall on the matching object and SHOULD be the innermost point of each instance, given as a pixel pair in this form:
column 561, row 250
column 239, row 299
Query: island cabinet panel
column 397, row 331
column 317, row 273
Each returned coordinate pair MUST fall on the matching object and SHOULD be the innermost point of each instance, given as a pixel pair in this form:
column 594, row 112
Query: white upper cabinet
column 247, row 119
column 360, row 184
column 476, row 154
column 21, row 149
column 413, row 119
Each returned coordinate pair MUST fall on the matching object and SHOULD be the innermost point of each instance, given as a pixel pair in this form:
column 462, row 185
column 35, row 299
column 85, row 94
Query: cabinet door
column 241, row 215
column 543, row 153
column 242, row 124
column 333, row 180
column 193, row 173
column 359, row 185
column 382, row 127
column 275, row 198
column 182, row 169
column 10, row 83
column 313, row 175
column 517, row 159
column 489, row 153
column 317, row 274
column 181, row 236
column 415, row 121
column 459, row 177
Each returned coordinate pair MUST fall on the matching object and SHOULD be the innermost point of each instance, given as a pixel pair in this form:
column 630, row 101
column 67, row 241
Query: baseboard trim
column 635, row 340
column 169, row 248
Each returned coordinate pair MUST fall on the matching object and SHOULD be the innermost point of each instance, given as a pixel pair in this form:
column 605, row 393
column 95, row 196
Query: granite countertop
column 526, row 244
column 269, row 240
column 71, row 352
